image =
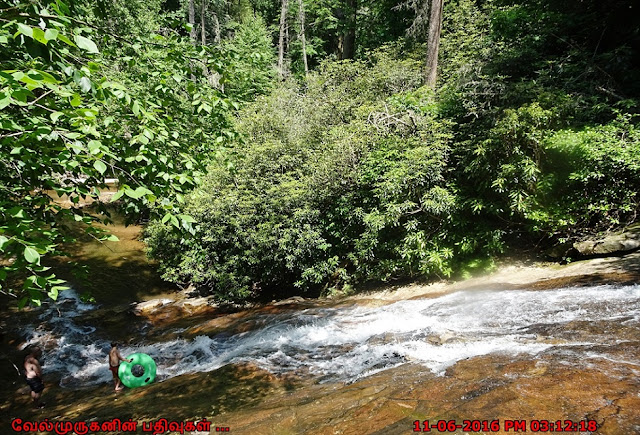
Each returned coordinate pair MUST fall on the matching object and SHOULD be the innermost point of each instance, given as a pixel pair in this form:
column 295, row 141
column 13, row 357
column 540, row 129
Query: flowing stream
column 348, row 343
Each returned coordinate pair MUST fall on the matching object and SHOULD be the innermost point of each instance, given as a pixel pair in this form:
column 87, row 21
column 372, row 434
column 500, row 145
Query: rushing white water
column 348, row 343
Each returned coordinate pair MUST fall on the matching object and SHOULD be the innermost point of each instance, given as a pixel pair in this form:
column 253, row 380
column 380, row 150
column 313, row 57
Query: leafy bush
column 538, row 105
column 360, row 174
column 593, row 176
column 337, row 183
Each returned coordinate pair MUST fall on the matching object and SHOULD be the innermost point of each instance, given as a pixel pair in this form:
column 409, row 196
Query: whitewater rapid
column 347, row 343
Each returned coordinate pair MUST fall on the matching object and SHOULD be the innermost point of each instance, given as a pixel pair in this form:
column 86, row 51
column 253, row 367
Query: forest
column 275, row 148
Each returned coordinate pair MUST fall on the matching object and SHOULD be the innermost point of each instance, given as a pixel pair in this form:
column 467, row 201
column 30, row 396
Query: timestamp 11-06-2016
column 535, row 425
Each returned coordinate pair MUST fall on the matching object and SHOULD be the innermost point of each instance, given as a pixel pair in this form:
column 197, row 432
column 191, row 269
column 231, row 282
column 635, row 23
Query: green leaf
column 187, row 218
column 136, row 108
column 51, row 34
column 131, row 193
column 56, row 289
column 100, row 166
column 141, row 191
column 25, row 30
column 85, row 84
column 22, row 302
column 116, row 196
column 31, row 255
column 53, row 293
column 3, row 242
column 76, row 100
column 138, row 193
column 5, row 100
column 48, row 78
column 112, row 238
column 94, row 146
column 38, row 35
column 86, row 44
column 17, row 212
column 55, row 116
column 66, row 40
column 175, row 222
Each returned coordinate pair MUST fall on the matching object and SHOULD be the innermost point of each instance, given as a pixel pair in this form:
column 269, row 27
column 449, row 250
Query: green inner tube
column 131, row 380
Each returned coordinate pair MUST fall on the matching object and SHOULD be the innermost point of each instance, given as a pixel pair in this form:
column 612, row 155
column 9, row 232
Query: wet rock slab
column 249, row 400
column 571, row 381
column 482, row 388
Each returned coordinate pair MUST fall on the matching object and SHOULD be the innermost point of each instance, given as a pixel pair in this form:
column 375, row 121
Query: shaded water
column 348, row 343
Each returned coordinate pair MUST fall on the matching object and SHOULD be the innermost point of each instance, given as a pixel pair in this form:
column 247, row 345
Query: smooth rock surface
column 619, row 242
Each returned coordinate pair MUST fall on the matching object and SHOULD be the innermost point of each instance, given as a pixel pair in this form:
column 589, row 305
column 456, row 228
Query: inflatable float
column 130, row 379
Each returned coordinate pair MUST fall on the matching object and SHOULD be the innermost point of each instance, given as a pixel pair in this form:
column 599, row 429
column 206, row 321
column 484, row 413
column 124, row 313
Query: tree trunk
column 433, row 42
column 202, row 22
column 216, row 28
column 283, row 26
column 347, row 40
column 192, row 20
column 303, row 37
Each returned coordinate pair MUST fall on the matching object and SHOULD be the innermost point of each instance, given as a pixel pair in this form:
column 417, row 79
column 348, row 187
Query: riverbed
column 530, row 345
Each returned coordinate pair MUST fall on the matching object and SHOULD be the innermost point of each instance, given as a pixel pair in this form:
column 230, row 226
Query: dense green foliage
column 257, row 186
column 547, row 104
column 360, row 174
column 74, row 115
column 343, row 180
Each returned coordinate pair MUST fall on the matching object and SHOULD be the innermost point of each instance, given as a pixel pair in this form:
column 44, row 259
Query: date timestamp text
column 505, row 425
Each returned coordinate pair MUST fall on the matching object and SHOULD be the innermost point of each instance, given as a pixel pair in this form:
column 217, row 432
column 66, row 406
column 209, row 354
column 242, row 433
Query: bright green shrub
column 337, row 183
column 593, row 176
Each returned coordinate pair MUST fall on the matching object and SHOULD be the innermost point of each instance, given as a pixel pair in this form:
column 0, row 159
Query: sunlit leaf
column 85, row 84
column 86, row 44
column 100, row 166
column 25, row 30
column 51, row 34
column 31, row 255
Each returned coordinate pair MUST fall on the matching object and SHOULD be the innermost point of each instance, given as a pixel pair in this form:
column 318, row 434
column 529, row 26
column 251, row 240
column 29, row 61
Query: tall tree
column 433, row 42
column 203, row 33
column 192, row 20
column 428, row 17
column 216, row 28
column 303, row 37
column 347, row 39
column 281, row 40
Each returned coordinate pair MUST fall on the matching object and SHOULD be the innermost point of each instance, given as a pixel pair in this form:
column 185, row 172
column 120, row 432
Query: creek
column 323, row 350
column 569, row 349
column 344, row 344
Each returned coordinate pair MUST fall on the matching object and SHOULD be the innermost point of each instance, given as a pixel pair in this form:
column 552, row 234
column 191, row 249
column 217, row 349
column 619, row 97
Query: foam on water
column 348, row 343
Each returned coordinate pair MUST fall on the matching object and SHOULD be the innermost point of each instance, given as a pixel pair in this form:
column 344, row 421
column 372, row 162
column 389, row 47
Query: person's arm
column 121, row 358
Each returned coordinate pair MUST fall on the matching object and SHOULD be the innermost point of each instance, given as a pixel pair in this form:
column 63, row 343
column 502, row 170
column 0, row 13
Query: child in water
column 114, row 363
